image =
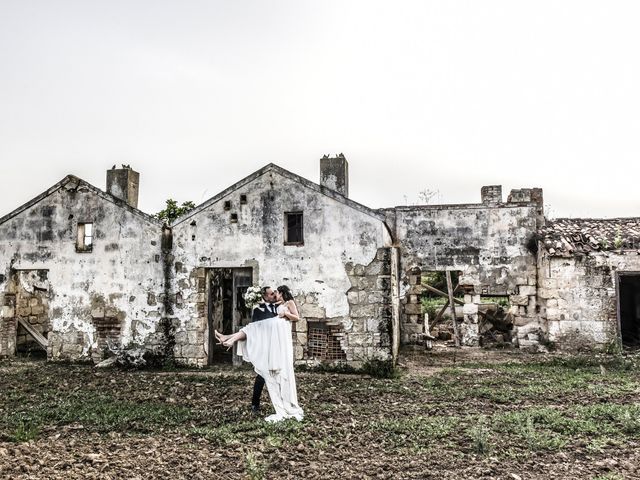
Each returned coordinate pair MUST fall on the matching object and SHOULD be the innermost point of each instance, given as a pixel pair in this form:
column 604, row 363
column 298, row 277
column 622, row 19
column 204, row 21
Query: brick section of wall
column 107, row 333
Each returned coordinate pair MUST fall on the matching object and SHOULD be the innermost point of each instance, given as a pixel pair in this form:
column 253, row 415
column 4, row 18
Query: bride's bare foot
column 220, row 337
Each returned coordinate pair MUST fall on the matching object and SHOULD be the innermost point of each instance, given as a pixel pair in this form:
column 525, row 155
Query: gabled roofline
column 272, row 167
column 79, row 182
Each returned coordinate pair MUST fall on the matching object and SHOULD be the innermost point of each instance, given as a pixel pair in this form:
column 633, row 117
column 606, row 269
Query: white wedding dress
column 269, row 347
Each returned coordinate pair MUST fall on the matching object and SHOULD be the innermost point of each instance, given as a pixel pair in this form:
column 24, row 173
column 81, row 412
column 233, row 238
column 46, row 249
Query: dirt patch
column 472, row 416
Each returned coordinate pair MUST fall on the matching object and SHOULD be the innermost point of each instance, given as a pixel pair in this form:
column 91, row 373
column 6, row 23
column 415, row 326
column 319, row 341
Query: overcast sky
column 446, row 96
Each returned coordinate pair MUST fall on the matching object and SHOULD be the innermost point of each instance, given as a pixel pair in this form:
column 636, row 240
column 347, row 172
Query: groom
column 264, row 310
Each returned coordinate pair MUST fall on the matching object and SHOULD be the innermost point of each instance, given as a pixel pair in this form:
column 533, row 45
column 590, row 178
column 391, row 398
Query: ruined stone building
column 83, row 271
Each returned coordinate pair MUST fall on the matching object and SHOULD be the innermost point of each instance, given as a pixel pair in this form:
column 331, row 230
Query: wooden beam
column 441, row 293
column 452, row 305
column 34, row 333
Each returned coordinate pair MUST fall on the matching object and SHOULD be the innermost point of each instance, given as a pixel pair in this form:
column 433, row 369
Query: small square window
column 243, row 199
column 227, row 205
column 234, row 218
column 84, row 240
column 293, row 231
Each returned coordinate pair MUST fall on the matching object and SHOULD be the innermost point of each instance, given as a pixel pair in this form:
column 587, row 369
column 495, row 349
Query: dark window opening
column 234, row 218
column 227, row 205
column 243, row 199
column 293, row 233
column 84, row 240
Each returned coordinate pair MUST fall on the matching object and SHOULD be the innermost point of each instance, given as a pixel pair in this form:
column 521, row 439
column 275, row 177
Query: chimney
column 334, row 174
column 491, row 194
column 123, row 183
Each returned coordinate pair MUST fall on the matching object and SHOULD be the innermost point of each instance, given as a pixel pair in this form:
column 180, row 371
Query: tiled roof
column 573, row 236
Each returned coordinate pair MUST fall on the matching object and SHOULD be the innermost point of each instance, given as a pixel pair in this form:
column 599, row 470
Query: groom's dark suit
column 261, row 312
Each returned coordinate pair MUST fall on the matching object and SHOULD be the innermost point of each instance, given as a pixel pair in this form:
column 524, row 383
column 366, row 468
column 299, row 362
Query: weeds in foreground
column 480, row 436
column 24, row 432
column 256, row 470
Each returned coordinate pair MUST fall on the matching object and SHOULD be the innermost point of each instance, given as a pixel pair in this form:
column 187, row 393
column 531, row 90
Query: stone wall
column 492, row 245
column 578, row 298
column 338, row 236
column 109, row 282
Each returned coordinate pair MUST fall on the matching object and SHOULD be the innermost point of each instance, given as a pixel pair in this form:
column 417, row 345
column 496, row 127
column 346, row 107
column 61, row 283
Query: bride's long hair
column 285, row 292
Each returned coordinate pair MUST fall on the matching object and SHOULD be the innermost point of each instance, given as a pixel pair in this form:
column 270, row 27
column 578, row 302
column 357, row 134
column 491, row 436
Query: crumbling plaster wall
column 115, row 288
column 337, row 238
column 489, row 244
column 578, row 298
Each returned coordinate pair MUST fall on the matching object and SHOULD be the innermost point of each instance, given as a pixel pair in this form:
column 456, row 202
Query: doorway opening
column 226, row 309
column 629, row 309
column 26, row 302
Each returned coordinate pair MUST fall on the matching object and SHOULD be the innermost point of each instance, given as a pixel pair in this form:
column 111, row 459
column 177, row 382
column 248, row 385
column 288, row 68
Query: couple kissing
column 266, row 343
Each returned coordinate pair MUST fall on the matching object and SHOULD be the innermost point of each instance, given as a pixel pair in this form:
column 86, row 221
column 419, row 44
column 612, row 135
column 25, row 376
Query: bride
column 268, row 346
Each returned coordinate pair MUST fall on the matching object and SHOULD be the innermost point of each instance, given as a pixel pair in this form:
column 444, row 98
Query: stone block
column 312, row 310
column 416, row 290
column 357, row 326
column 301, row 338
column 526, row 290
column 181, row 338
column 415, row 279
column 413, row 309
column 192, row 351
column 374, row 268
column 195, row 337
column 301, row 325
column 553, row 314
column 358, row 270
column 376, row 297
column 37, row 310
column 353, row 297
column 8, row 312
column 24, row 311
column 372, row 324
column 363, row 311
column 33, row 302
column 519, row 300
column 470, row 309
column 552, row 302
column 358, row 340
column 298, row 352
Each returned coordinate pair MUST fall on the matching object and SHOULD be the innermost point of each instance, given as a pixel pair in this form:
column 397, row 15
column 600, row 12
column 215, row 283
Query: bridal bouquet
column 252, row 297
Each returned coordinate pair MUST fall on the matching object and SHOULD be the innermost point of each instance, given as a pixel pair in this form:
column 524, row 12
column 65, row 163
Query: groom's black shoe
column 255, row 409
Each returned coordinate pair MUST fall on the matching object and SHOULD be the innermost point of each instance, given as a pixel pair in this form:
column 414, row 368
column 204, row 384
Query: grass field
column 443, row 416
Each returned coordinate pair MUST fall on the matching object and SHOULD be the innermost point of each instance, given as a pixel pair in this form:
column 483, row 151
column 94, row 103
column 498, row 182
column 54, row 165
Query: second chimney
column 334, row 174
column 124, row 183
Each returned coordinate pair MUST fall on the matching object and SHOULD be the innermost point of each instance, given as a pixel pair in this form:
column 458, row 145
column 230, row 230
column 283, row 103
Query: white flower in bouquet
column 252, row 297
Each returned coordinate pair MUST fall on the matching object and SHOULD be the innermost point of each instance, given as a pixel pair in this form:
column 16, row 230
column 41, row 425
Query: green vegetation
column 172, row 210
column 575, row 408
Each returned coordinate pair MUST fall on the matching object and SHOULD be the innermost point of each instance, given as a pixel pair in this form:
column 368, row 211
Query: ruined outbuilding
column 83, row 272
